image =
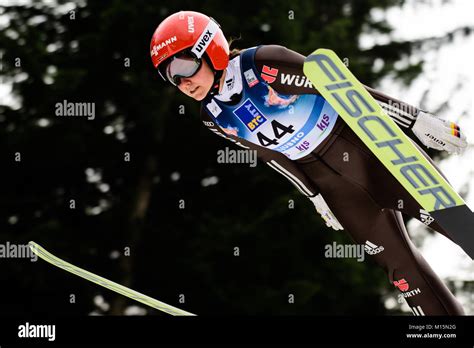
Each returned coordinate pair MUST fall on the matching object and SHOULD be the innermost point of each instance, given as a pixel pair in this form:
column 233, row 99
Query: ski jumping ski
column 134, row 295
column 393, row 148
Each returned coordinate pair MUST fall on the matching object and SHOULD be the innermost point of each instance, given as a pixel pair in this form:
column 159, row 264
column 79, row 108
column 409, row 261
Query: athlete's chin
column 201, row 93
column 199, row 96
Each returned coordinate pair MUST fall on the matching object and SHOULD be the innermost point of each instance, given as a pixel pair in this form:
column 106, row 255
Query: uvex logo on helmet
column 190, row 24
column 205, row 39
column 202, row 44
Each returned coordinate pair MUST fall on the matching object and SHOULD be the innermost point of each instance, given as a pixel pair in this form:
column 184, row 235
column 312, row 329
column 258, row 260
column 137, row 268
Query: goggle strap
column 159, row 73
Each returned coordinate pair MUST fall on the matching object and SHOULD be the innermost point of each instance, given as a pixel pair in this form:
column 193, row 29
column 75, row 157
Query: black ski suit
column 351, row 188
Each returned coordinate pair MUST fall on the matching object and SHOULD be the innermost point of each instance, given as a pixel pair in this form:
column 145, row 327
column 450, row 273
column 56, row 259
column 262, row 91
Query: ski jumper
column 269, row 106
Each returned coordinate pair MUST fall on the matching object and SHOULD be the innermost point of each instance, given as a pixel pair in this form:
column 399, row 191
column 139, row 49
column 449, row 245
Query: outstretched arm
column 432, row 131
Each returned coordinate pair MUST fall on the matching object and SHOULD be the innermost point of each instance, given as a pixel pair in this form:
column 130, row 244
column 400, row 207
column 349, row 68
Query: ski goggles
column 180, row 66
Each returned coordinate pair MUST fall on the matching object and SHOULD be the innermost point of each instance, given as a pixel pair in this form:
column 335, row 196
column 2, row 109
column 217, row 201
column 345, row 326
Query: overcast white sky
column 448, row 75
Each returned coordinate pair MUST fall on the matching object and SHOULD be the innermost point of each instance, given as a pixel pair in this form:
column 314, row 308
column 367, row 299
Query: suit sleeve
column 275, row 160
column 283, row 70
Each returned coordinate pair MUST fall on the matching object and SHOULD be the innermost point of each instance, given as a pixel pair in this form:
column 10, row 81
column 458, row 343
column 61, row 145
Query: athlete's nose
column 185, row 82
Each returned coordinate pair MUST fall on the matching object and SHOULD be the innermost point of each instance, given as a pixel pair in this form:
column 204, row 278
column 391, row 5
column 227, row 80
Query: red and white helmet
column 193, row 31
